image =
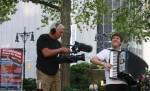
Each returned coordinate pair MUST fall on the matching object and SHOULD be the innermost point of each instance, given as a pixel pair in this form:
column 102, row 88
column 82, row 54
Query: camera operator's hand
column 65, row 50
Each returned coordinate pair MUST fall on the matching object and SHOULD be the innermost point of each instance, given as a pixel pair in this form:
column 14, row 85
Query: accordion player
column 127, row 66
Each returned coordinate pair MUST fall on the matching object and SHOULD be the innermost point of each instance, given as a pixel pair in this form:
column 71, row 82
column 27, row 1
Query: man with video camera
column 48, row 48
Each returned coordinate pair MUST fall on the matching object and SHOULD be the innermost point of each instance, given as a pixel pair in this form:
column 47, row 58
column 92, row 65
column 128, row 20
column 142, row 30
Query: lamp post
column 25, row 35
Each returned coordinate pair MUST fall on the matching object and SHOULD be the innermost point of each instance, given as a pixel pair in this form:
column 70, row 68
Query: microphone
column 83, row 47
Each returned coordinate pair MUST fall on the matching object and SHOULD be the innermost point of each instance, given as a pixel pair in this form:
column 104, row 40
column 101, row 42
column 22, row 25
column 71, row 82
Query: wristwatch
column 102, row 63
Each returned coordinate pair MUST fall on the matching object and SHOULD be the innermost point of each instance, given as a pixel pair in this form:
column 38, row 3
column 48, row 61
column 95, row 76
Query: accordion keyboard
column 113, row 61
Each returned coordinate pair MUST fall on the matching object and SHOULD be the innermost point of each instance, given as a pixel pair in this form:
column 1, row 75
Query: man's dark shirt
column 48, row 65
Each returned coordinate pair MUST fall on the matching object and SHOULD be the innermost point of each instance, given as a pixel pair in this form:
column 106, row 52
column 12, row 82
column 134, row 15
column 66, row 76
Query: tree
column 131, row 20
column 130, row 16
column 7, row 9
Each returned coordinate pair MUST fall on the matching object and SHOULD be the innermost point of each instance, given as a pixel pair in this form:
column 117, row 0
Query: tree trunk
column 65, row 20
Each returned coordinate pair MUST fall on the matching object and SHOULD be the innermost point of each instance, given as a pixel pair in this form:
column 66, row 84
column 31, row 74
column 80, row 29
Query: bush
column 70, row 89
column 29, row 84
column 80, row 76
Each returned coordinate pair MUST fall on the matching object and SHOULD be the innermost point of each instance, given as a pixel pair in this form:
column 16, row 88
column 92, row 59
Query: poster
column 11, row 60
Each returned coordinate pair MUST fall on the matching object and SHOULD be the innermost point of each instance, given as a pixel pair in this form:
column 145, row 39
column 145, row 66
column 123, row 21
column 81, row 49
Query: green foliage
column 80, row 76
column 69, row 89
column 51, row 10
column 29, row 84
column 7, row 8
column 49, row 14
column 131, row 20
column 89, row 11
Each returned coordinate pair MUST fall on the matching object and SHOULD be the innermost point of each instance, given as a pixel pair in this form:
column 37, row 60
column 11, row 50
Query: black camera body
column 73, row 58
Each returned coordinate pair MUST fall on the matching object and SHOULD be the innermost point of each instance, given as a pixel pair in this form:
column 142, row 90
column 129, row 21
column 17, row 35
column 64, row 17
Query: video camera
column 73, row 58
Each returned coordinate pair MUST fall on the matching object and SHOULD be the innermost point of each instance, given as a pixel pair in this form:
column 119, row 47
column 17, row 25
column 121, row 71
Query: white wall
column 146, row 52
column 29, row 16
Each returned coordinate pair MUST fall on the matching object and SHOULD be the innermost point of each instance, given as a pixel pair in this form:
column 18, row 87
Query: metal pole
column 25, row 35
column 24, row 41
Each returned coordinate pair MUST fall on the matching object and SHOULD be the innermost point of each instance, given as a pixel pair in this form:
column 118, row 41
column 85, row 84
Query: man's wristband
column 102, row 63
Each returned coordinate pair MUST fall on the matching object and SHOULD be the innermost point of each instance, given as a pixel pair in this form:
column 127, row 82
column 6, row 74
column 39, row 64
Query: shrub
column 80, row 76
column 29, row 84
column 70, row 89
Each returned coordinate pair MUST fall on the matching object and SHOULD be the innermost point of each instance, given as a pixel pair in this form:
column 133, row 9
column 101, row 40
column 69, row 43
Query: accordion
column 127, row 66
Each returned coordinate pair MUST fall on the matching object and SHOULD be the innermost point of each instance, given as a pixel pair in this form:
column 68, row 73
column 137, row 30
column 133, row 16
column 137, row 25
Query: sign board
column 11, row 60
